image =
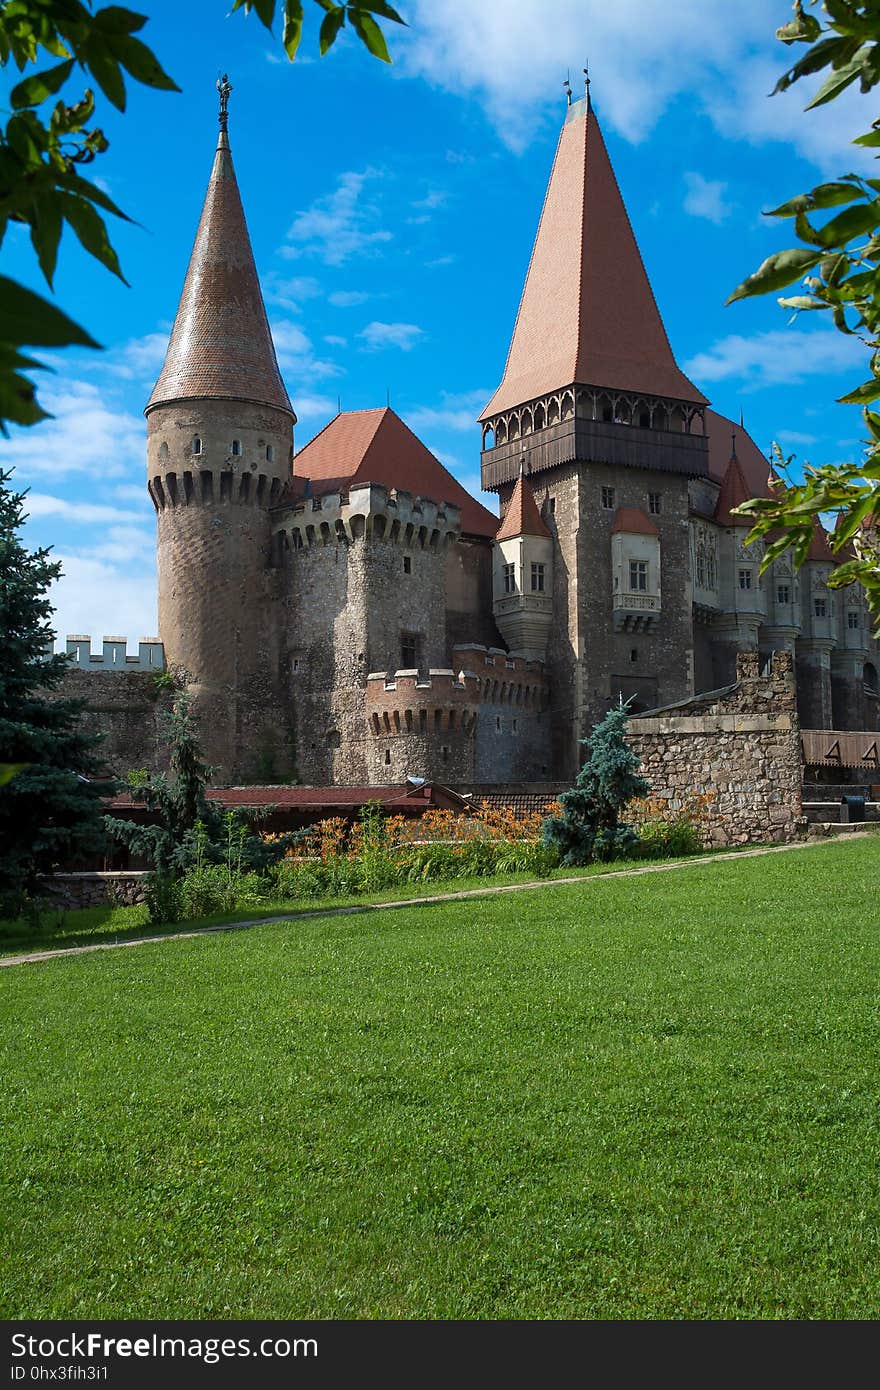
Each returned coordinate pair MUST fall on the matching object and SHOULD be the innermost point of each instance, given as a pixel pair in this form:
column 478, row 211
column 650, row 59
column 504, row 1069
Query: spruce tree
column 589, row 827
column 50, row 810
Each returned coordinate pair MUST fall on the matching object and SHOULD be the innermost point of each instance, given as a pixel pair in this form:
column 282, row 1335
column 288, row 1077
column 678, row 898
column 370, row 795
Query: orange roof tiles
column 587, row 312
column 820, row 549
column 220, row 344
column 634, row 522
column 734, row 491
column 522, row 517
column 375, row 446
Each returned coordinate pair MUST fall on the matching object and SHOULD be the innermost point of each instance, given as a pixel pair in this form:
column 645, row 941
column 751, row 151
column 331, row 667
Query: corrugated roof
column 522, row 517
column 634, row 522
column 221, row 346
column 375, row 446
column 587, row 312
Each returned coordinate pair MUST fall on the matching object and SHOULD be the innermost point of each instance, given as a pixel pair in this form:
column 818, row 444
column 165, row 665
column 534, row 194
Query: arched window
column 870, row 678
column 163, row 451
column 236, row 448
column 701, row 565
column 270, row 453
column 196, row 444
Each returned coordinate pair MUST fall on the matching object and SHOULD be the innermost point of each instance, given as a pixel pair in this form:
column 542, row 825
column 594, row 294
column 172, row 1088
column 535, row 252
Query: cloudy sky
column 392, row 213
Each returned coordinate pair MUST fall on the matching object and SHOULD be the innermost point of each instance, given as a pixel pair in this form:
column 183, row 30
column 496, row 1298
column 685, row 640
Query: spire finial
column 587, row 84
column 224, row 87
column 733, row 444
column 567, row 86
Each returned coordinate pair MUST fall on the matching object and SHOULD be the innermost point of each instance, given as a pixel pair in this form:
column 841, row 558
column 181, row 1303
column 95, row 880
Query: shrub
column 589, row 824
column 664, row 831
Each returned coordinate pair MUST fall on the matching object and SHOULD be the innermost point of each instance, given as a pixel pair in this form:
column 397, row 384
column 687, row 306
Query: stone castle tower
column 219, row 453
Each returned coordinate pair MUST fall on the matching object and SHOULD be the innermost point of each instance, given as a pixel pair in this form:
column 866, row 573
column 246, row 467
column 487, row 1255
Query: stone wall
column 741, row 744
column 110, row 889
column 128, row 710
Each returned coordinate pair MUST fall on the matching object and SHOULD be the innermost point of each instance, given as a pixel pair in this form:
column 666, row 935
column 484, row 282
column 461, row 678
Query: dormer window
column 236, row 448
column 196, row 444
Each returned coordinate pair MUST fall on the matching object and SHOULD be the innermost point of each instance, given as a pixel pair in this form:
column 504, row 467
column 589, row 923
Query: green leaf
column 76, row 184
column 330, row 26
column 870, row 139
column 144, row 66
column 369, row 33
column 837, row 81
column 46, row 234
column 28, row 318
column 41, row 85
column 119, row 21
column 868, row 391
column 292, row 31
column 91, row 231
column 826, row 195
column 818, row 57
column 107, row 74
column 776, row 272
column 851, row 223
column 384, row 11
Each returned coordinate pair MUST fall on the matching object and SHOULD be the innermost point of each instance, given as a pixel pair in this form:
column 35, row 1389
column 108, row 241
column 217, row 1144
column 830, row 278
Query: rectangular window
column 407, row 564
column 852, row 618
column 655, row 503
column 410, row 645
column 638, row 576
column 783, row 593
column 745, row 579
column 510, row 579
column 551, row 503
column 820, row 607
column 537, row 579
column 608, row 498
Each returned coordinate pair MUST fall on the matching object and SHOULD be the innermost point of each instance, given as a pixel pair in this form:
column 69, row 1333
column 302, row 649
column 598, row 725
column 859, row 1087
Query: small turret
column 522, row 575
column 219, row 448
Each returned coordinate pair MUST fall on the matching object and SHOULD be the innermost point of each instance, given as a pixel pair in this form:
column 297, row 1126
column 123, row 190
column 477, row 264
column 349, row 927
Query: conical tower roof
column 522, row 517
column 734, row 491
column 587, row 314
column 221, row 346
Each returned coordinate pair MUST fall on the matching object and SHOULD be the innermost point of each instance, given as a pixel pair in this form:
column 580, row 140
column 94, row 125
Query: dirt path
column 36, row 956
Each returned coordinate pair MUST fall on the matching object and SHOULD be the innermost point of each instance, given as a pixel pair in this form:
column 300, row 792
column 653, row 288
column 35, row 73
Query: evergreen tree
column 50, row 810
column 589, row 827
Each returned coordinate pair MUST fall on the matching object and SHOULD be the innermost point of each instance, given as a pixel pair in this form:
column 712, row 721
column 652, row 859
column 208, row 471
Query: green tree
column 838, row 262
column 44, row 148
column 50, row 812
column 589, row 827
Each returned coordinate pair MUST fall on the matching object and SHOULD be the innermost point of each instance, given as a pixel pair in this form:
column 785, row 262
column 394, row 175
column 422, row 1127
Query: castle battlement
column 206, row 487
column 504, row 677
column 368, row 511
column 114, row 654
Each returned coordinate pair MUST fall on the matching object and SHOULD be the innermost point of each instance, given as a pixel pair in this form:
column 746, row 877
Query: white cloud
column 40, row 504
column 438, row 261
column 347, row 299
column 334, row 340
column 436, row 198
column 796, row 437
column 400, row 335
column 457, row 412
column 289, row 292
column 313, row 407
column 705, row 198
column 339, row 225
column 140, row 359
column 293, row 348
column 778, row 357
column 100, row 594
column 87, row 435
column 723, row 58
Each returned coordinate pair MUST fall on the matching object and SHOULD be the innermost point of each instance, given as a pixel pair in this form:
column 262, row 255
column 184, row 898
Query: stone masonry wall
column 128, row 710
column 110, row 889
column 742, row 745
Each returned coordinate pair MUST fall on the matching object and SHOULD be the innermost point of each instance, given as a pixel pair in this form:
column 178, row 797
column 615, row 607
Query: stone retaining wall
column 741, row 744
column 104, row 889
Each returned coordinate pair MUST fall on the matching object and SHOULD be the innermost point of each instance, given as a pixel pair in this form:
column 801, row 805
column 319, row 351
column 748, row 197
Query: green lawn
column 645, row 1097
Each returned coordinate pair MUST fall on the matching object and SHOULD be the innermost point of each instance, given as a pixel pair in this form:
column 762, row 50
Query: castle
column 349, row 614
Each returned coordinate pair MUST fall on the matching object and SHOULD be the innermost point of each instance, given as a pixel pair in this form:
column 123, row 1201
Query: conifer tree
column 589, row 827
column 50, row 810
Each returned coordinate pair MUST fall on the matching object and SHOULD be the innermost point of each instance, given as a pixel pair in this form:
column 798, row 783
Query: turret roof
column 221, row 346
column 375, row 446
column 734, row 491
column 634, row 522
column 820, row 548
column 522, row 517
column 587, row 313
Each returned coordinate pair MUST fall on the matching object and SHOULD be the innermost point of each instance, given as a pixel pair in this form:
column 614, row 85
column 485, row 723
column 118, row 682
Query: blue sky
column 392, row 212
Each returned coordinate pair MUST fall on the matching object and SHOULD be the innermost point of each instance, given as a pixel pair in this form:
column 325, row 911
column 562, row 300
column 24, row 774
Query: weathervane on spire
column 567, row 85
column 224, row 87
column 587, row 83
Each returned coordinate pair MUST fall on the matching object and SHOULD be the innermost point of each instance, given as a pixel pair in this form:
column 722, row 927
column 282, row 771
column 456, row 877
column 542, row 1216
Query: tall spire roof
column 734, row 491
column 587, row 313
column 221, row 346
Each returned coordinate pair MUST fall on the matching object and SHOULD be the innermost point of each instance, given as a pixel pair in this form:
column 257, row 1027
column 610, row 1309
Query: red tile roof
column 634, row 522
column 820, row 549
column 587, row 312
column 375, row 446
column 401, row 797
column 220, row 344
column 726, row 437
column 522, row 517
column 734, row 491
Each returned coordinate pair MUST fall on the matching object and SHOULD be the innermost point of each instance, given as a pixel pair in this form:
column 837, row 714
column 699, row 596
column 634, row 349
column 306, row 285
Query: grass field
column 650, row 1097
